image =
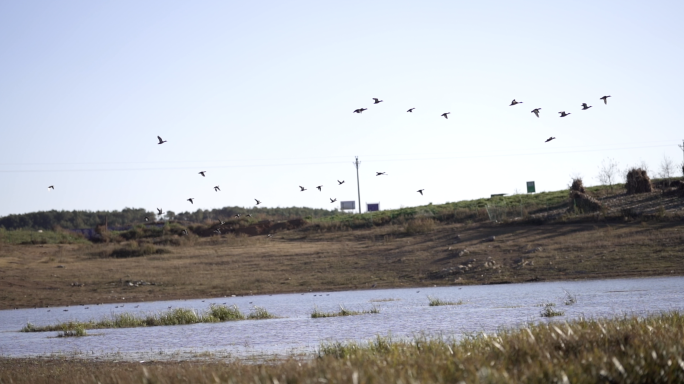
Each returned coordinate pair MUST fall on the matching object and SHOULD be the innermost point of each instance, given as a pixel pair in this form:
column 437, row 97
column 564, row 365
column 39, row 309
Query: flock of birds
column 562, row 113
column 536, row 112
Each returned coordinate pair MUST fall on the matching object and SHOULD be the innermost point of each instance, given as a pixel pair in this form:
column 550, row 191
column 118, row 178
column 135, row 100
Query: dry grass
column 623, row 350
column 299, row 261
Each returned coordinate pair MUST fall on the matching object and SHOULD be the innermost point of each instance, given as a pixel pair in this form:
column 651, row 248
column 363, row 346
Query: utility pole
column 681, row 146
column 358, row 186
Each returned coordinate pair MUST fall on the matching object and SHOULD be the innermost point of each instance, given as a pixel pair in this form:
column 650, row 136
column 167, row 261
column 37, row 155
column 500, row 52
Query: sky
column 260, row 95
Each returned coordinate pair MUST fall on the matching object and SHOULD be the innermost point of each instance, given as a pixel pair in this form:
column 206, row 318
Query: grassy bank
column 623, row 350
column 178, row 316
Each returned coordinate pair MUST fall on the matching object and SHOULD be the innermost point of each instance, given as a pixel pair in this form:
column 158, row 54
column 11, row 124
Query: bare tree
column 608, row 172
column 667, row 168
column 643, row 165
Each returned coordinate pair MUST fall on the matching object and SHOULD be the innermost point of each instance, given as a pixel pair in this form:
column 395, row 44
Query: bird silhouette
column 549, row 139
column 302, row 189
column 333, row 200
column 237, row 216
column 319, row 188
column 410, row 110
column 52, row 187
column 420, row 191
column 605, row 99
column 249, row 215
column 202, row 173
column 563, row 114
column 380, row 173
column 183, row 232
column 515, row 102
column 585, row 106
column 340, row 182
column 216, row 188
column 218, row 232
column 445, row 115
column 221, row 222
column 257, row 201
column 269, row 236
column 191, row 200
column 536, row 111
column 160, row 140
column 147, row 218
column 360, row 110
column 377, row 101
column 160, row 212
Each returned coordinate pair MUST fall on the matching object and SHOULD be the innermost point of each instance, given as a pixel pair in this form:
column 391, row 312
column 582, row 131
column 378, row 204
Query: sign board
column 347, row 205
column 530, row 187
column 372, row 207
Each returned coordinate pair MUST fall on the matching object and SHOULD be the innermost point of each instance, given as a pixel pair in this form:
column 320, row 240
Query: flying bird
column 319, row 188
column 302, row 189
column 563, row 114
column 380, row 173
column 160, row 140
column 333, row 200
column 249, row 215
column 160, row 212
column 191, row 199
column 237, row 216
column 257, row 201
column 515, row 102
column 202, row 173
column 147, row 218
column 585, row 106
column 536, row 111
column 183, row 232
column 360, row 110
column 218, row 232
column 549, row 139
column 216, row 188
column 377, row 101
column 445, row 115
column 340, row 182
column 52, row 187
column 410, row 110
column 605, row 99
column 420, row 191
column 221, row 222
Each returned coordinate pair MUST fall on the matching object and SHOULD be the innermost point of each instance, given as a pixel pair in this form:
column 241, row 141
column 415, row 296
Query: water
column 485, row 308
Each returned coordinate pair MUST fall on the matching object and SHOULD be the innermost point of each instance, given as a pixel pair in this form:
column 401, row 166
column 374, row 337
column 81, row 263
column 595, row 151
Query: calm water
column 485, row 308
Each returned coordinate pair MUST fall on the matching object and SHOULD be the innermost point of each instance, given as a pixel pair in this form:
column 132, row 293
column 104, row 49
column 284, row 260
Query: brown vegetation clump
column 638, row 181
column 577, row 185
column 580, row 201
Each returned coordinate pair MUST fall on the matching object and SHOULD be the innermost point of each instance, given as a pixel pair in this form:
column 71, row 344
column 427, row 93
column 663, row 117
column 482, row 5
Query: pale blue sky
column 261, row 94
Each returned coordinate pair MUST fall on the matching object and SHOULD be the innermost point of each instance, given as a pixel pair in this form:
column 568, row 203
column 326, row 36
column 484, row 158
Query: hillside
column 633, row 236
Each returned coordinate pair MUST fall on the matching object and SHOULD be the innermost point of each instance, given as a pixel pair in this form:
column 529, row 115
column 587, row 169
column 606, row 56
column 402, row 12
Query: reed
column 342, row 312
column 178, row 316
column 435, row 302
column 549, row 311
column 73, row 332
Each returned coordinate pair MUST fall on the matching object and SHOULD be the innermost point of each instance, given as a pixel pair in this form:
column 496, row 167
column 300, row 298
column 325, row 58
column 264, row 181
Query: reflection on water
column 403, row 313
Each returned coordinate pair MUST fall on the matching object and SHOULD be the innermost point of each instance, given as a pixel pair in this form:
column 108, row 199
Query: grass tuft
column 178, row 316
column 342, row 312
column 435, row 302
column 549, row 311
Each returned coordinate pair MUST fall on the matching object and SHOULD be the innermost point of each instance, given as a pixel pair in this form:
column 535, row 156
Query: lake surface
column 484, row 309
